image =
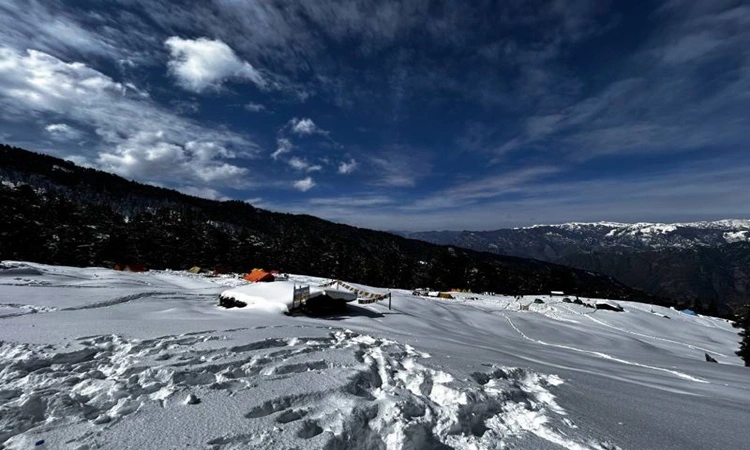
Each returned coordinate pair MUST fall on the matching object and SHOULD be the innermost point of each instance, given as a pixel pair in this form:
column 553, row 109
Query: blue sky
column 400, row 115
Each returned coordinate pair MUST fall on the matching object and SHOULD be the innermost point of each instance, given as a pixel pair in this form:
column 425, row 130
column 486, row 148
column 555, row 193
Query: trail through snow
column 606, row 356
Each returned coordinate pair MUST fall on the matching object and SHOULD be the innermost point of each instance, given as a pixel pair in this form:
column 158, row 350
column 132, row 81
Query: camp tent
column 689, row 312
column 194, row 269
column 130, row 268
column 219, row 270
column 258, row 275
column 444, row 295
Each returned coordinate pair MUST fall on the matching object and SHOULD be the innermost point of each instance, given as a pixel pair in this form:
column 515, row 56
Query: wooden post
column 389, row 301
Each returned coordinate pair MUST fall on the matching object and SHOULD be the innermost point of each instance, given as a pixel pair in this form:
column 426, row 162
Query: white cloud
column 137, row 138
column 255, row 107
column 283, row 145
column 203, row 192
column 304, row 184
column 300, row 164
column 347, row 167
column 305, row 127
column 153, row 155
column 206, row 151
column 201, row 64
column 62, row 131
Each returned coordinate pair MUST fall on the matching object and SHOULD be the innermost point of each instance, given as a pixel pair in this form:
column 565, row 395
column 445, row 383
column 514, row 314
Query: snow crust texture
column 96, row 359
column 369, row 392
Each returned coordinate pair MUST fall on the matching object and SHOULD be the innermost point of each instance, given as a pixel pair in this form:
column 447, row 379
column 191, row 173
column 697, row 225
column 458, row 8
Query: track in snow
column 27, row 309
column 376, row 392
column 656, row 338
column 677, row 373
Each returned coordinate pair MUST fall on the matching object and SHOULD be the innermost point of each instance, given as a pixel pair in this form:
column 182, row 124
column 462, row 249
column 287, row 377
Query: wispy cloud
column 254, row 107
column 398, row 166
column 347, row 167
column 352, row 201
column 283, row 146
column 52, row 28
column 303, row 165
column 666, row 101
column 489, row 187
column 505, row 110
column 660, row 196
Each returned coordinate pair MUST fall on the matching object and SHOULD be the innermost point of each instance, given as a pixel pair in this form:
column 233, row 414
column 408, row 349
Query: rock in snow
column 192, row 400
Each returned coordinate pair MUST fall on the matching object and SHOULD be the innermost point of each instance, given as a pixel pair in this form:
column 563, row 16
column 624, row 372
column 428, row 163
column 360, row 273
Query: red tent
column 131, row 268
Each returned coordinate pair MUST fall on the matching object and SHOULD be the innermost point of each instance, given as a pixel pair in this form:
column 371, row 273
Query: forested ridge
column 58, row 213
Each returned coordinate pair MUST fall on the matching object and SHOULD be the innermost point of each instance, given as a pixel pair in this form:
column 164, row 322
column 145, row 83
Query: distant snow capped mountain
column 658, row 235
column 648, row 227
column 709, row 260
column 551, row 242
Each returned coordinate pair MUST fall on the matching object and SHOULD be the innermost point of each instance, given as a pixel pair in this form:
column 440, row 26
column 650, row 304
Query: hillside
column 58, row 213
column 709, row 261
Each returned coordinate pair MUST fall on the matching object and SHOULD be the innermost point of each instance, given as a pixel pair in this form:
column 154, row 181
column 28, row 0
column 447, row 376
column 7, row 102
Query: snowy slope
column 92, row 358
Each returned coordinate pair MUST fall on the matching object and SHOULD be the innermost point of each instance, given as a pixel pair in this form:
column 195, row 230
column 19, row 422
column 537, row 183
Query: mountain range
column 706, row 261
column 56, row 212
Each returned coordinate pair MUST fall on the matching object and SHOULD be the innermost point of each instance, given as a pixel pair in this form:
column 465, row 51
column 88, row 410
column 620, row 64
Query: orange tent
column 257, row 275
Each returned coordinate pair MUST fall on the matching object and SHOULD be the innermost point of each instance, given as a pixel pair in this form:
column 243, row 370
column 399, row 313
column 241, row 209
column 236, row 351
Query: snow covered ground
column 93, row 358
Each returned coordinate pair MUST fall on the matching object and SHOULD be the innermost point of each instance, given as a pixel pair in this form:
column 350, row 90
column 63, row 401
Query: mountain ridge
column 59, row 213
column 705, row 260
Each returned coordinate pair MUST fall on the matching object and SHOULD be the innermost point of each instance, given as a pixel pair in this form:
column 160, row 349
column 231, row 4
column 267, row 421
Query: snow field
column 91, row 358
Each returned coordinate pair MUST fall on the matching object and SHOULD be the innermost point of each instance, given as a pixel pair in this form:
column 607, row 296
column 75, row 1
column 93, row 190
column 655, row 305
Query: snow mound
column 12, row 268
column 273, row 297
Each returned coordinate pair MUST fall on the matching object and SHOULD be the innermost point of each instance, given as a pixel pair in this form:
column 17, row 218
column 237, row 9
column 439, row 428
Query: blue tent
column 689, row 312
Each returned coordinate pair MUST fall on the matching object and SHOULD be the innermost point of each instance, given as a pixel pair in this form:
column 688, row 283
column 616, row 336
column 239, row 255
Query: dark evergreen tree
column 742, row 321
column 57, row 213
column 697, row 306
column 712, row 309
